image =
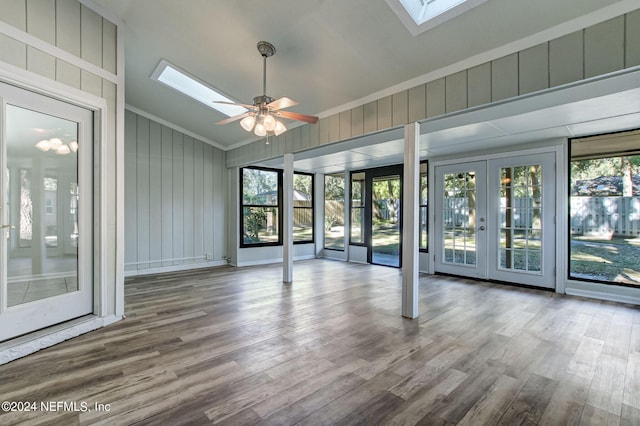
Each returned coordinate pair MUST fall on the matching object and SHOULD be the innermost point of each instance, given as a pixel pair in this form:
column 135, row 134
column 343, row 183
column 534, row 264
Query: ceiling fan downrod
column 266, row 50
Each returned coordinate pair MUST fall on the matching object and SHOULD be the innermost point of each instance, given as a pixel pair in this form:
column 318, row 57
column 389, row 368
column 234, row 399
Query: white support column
column 287, row 219
column 410, row 220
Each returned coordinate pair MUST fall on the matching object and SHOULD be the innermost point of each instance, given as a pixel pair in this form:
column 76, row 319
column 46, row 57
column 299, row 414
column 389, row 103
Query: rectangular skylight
column 420, row 15
column 171, row 76
column 423, row 10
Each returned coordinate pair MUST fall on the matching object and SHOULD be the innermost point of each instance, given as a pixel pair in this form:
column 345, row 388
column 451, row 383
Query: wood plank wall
column 606, row 47
column 174, row 197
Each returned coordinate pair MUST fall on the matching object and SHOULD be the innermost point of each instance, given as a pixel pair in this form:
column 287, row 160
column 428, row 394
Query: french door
column 45, row 212
column 495, row 219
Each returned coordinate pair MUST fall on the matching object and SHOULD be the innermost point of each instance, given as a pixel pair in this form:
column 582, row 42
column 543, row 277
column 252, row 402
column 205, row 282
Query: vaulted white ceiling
column 331, row 54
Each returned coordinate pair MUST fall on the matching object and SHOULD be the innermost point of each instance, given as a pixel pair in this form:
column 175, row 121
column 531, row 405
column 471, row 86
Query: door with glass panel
column 461, row 219
column 46, row 212
column 496, row 219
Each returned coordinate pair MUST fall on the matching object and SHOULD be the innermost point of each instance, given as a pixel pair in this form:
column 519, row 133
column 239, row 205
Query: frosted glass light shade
column 43, row 145
column 269, row 123
column 63, row 150
column 260, row 130
column 55, row 143
column 248, row 122
column 279, row 128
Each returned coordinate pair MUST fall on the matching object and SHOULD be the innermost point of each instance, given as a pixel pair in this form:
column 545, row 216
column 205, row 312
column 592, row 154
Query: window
column 357, row 208
column 261, row 219
column 179, row 80
column 424, row 211
column 421, row 15
column 334, row 212
column 303, row 208
column 605, row 209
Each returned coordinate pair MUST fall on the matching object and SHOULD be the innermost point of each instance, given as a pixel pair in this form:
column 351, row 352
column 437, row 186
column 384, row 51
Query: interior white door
column 495, row 219
column 45, row 212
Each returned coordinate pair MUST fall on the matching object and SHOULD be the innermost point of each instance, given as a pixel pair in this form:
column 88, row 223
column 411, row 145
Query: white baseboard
column 272, row 261
column 610, row 293
column 175, row 268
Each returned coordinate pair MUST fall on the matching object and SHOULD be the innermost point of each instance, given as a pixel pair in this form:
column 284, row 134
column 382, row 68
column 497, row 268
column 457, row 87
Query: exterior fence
column 618, row 216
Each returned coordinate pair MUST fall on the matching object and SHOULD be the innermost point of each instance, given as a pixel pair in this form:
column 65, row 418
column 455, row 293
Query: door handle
column 7, row 227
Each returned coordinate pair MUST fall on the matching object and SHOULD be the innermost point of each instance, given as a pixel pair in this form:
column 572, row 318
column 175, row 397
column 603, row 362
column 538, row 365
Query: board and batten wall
column 175, row 199
column 606, row 47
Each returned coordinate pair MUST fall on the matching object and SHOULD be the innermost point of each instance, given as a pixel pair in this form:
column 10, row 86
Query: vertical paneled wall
column 609, row 46
column 174, row 198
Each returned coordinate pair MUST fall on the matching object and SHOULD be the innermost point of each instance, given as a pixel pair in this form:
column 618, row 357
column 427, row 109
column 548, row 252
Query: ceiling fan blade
column 234, row 118
column 296, row 116
column 281, row 103
column 247, row 106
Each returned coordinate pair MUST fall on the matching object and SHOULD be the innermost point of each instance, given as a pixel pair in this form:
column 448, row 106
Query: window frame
column 324, row 200
column 424, row 249
column 312, row 208
column 569, row 182
column 242, row 207
column 361, row 207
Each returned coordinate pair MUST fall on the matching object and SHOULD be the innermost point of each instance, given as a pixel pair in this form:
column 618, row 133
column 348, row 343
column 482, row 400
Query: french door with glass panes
column 495, row 219
column 45, row 212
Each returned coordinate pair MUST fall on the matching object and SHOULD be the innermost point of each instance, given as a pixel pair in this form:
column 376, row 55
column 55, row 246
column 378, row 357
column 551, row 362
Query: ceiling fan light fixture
column 279, row 128
column 260, row 130
column 248, row 122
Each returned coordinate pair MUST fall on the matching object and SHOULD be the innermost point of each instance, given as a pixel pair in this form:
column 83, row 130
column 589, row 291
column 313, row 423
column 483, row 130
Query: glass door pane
column 42, row 164
column 459, row 212
column 385, row 221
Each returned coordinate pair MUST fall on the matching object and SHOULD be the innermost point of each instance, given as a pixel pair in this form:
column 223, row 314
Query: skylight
column 171, row 76
column 420, row 15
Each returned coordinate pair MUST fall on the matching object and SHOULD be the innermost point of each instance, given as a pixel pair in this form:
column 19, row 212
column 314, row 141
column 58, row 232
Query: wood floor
column 239, row 347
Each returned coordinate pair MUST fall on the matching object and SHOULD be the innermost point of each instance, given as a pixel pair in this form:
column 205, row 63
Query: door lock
column 482, row 228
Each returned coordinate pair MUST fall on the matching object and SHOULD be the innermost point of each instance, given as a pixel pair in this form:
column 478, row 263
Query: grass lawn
column 614, row 259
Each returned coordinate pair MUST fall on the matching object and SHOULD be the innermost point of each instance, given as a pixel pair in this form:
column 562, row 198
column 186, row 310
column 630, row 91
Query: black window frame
column 424, row 206
column 569, row 182
column 363, row 243
column 243, row 244
column 324, row 200
column 312, row 208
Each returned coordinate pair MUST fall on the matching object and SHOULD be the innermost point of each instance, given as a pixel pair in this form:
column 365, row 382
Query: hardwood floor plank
column 531, row 402
column 236, row 346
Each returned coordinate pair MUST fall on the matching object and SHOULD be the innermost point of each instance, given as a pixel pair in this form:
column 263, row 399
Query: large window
column 424, row 212
column 261, row 219
column 334, row 212
column 357, row 208
column 303, row 208
column 605, row 209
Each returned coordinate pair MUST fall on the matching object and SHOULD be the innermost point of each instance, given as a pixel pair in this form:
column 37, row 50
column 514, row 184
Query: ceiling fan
column 262, row 116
